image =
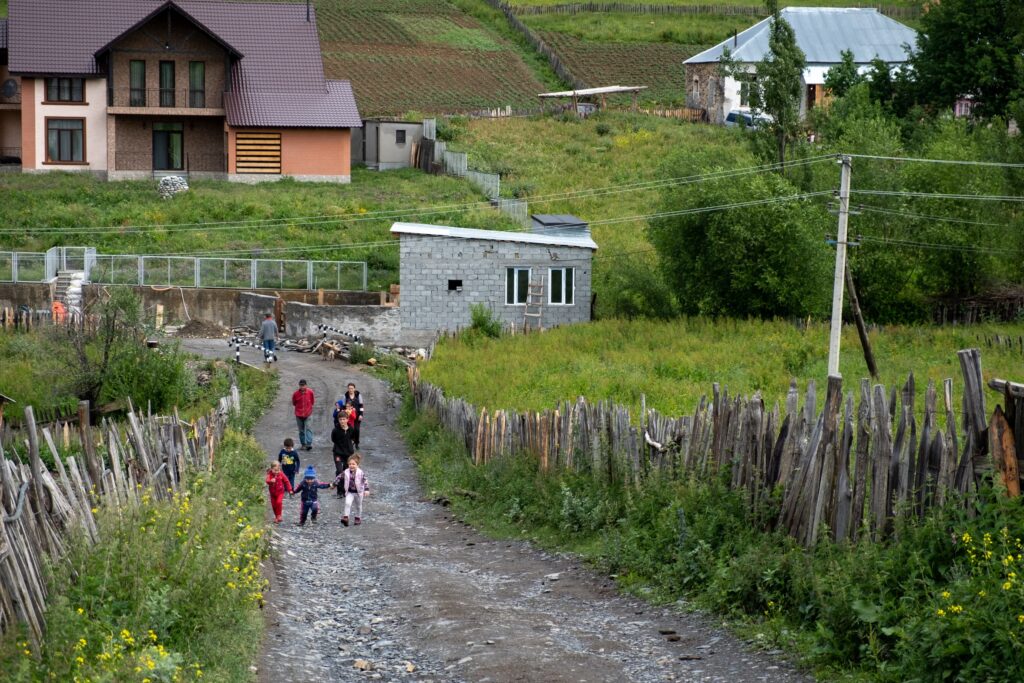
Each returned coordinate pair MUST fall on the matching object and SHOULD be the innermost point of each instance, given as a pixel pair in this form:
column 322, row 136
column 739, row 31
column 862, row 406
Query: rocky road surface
column 414, row 594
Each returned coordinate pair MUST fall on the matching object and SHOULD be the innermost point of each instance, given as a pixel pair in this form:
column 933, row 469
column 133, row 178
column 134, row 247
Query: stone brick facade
column 431, row 265
column 705, row 90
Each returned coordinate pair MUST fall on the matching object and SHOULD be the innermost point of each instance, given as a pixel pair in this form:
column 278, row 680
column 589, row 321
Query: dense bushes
column 941, row 601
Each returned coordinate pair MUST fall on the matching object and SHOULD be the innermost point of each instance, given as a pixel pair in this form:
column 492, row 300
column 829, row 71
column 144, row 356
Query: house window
column 563, row 283
column 517, row 286
column 65, row 90
column 455, row 285
column 137, row 83
column 166, row 84
column 696, row 89
column 400, row 136
column 197, row 84
column 65, row 140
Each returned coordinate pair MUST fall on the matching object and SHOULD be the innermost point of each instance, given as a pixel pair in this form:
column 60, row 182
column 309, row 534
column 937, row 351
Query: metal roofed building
column 821, row 32
column 445, row 270
column 135, row 88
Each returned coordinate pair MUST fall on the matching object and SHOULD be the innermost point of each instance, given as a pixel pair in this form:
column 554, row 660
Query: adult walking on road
column 354, row 399
column 268, row 333
column 303, row 400
column 342, row 440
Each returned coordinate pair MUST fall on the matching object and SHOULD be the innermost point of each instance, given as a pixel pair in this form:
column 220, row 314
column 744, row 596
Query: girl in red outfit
column 278, row 484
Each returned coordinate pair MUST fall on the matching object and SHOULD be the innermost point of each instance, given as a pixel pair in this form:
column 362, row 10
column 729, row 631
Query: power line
column 938, row 246
column 391, row 214
column 956, row 162
column 940, row 195
column 708, row 209
column 893, row 212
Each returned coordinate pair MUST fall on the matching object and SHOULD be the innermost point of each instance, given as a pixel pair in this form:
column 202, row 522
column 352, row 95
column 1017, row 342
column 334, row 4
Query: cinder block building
column 545, row 272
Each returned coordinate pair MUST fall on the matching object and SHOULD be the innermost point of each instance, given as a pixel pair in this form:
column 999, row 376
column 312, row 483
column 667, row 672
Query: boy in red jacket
column 278, row 484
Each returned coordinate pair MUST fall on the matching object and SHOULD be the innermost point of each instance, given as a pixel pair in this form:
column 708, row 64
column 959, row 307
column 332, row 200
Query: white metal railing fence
column 457, row 164
column 182, row 271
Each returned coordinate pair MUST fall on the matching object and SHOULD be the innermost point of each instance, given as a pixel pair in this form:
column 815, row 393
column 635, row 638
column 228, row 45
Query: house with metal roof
column 535, row 279
column 136, row 88
column 823, row 33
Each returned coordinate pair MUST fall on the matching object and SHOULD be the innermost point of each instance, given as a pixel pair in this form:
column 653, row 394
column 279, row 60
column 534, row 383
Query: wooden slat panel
column 258, row 152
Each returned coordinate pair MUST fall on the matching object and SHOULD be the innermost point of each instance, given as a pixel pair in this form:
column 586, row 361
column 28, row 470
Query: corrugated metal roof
column 3, row 34
column 493, row 235
column 604, row 90
column 279, row 81
column 823, row 33
column 335, row 108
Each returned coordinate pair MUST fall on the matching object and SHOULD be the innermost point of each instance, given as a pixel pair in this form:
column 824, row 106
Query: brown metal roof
column 3, row 34
column 278, row 81
column 331, row 109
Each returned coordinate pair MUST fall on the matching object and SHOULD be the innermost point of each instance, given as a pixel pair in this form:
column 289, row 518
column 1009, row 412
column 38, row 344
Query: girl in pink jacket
column 352, row 482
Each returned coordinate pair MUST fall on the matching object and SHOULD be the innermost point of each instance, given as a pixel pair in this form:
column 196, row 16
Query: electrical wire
column 893, row 212
column 391, row 214
column 957, row 162
column 931, row 245
column 939, row 195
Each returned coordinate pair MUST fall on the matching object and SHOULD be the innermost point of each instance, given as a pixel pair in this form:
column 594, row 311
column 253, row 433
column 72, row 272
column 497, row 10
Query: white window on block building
column 517, row 286
column 563, row 283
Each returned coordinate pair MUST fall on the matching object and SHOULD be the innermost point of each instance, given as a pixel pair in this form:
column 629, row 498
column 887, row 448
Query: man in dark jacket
column 268, row 334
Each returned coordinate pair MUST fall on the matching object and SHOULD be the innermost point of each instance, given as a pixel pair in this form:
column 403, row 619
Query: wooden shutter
column 257, row 152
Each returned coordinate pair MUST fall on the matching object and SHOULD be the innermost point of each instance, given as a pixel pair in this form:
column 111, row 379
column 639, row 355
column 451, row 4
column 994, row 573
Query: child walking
column 289, row 459
column 278, row 483
column 309, row 488
column 353, row 482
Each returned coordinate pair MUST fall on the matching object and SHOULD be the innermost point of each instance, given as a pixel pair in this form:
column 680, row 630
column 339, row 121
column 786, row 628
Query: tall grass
column 675, row 363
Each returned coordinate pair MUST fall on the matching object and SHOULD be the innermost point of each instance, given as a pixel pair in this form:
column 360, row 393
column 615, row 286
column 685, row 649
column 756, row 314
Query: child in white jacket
column 352, row 482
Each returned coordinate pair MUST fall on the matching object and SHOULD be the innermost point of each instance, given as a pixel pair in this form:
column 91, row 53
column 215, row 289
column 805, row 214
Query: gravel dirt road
column 414, row 594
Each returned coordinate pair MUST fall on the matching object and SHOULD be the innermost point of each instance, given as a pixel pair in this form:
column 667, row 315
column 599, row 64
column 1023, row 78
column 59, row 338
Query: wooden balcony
column 164, row 102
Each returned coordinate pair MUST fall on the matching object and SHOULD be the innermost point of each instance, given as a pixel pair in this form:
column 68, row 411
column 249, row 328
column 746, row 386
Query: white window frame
column 516, row 294
column 564, row 290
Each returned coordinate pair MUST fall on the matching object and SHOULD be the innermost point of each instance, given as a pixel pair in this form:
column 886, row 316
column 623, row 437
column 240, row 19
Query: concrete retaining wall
column 379, row 324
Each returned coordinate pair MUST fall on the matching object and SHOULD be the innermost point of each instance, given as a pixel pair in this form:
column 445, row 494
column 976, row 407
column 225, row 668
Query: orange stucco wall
column 306, row 151
column 28, row 123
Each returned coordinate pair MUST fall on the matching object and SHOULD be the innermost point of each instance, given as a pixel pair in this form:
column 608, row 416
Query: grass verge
column 172, row 591
column 941, row 602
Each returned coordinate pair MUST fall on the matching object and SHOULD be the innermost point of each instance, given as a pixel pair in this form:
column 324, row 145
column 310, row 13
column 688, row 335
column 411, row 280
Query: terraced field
column 659, row 66
column 420, row 55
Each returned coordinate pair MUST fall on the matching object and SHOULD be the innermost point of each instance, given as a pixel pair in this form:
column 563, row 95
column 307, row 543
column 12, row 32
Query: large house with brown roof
column 136, row 88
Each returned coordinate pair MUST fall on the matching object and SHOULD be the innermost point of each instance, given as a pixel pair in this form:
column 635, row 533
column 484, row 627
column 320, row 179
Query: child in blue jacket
column 309, row 489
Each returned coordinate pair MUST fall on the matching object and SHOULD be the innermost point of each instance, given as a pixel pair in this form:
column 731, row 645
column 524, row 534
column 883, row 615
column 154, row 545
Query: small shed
column 384, row 144
column 445, row 270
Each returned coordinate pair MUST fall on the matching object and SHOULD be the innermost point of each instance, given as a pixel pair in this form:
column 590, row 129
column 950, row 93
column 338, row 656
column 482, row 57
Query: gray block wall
column 429, row 262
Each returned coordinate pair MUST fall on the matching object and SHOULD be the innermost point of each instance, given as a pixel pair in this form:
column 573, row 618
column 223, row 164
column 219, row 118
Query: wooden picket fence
column 117, row 464
column 850, row 469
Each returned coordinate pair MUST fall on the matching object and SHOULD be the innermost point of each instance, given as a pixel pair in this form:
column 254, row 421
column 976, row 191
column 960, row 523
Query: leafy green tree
column 763, row 260
column 843, row 76
column 777, row 89
column 971, row 48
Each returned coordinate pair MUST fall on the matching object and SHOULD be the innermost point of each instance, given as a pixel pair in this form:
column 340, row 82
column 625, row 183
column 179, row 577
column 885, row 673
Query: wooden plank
column 860, row 472
column 1004, row 452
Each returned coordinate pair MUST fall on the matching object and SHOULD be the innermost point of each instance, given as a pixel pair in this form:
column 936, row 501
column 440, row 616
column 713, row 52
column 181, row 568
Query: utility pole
column 837, row 287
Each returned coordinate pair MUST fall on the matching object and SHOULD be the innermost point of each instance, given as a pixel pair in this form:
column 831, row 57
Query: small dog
column 328, row 352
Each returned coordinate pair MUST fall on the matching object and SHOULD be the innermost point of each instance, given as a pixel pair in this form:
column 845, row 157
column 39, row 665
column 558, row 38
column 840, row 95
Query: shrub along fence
column 850, row 470
column 40, row 510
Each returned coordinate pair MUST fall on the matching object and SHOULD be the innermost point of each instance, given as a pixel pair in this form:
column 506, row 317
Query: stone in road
column 413, row 594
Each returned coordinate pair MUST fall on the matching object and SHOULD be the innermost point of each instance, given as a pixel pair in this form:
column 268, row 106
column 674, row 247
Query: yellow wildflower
column 940, row 612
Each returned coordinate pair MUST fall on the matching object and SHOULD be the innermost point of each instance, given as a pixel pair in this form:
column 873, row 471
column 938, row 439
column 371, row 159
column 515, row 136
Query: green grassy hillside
column 675, row 363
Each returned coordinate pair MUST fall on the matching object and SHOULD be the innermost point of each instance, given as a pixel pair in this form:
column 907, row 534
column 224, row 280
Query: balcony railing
column 166, row 98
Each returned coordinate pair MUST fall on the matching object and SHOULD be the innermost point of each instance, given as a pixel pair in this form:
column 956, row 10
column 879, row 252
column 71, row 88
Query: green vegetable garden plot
column 757, row 4
column 444, row 31
column 697, row 31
